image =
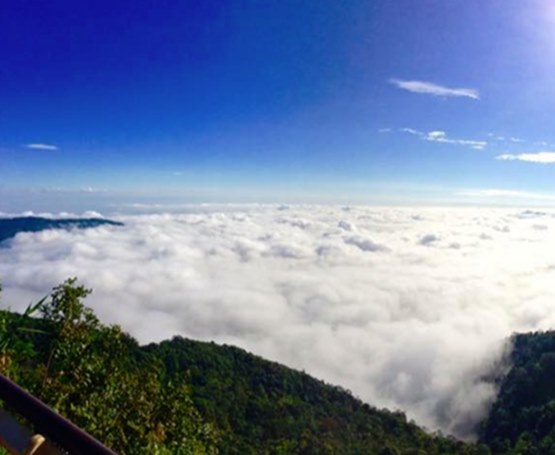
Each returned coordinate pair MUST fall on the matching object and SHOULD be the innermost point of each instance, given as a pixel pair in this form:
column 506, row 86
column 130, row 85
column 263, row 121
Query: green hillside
column 522, row 420
column 183, row 396
column 264, row 407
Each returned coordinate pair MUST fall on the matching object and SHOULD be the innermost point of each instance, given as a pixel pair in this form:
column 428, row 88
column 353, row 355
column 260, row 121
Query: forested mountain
column 522, row 420
column 264, row 407
column 9, row 227
column 188, row 397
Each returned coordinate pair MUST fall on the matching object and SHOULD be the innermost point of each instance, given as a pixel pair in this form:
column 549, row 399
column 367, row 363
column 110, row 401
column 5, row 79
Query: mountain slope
column 522, row 419
column 265, row 407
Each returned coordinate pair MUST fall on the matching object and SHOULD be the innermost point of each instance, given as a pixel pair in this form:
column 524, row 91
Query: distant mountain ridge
column 10, row 227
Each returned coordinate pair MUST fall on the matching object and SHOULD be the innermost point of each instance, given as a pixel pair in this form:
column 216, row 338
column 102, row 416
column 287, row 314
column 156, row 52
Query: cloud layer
column 408, row 308
column 429, row 88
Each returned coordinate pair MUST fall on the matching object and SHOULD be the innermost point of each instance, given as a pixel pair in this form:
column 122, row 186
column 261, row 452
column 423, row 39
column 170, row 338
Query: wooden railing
column 53, row 435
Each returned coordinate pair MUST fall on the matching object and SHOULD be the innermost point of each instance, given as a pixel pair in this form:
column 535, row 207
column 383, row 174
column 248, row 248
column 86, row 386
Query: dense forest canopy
column 522, row 420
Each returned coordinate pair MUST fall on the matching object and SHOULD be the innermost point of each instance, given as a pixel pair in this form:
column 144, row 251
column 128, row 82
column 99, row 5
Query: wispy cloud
column 532, row 157
column 436, row 135
column 412, row 131
column 39, row 146
column 515, row 140
column 441, row 136
column 429, row 88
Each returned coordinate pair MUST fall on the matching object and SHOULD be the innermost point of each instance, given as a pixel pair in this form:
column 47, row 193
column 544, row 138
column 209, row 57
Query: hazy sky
column 384, row 101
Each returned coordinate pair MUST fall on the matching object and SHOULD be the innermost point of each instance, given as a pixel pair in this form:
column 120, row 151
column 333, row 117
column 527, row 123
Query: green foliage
column 522, row 420
column 65, row 310
column 263, row 407
column 96, row 376
column 15, row 339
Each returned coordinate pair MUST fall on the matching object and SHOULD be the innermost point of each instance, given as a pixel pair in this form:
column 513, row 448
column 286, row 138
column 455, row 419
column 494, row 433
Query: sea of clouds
column 408, row 308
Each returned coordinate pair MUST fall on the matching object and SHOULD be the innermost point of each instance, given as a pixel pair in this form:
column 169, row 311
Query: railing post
column 48, row 422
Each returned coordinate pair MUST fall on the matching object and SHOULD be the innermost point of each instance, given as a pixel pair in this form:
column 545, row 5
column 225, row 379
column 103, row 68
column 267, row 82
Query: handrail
column 48, row 422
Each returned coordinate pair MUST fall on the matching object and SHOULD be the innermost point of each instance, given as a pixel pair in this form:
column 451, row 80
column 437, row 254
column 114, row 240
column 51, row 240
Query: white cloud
column 516, row 140
column 364, row 244
column 408, row 308
column 41, row 146
column 532, row 157
column 412, row 131
column 85, row 214
column 441, row 136
column 476, row 145
column 384, row 130
column 430, row 88
column 436, row 135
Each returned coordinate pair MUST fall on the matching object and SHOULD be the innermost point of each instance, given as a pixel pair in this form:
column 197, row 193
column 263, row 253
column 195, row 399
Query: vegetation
column 97, row 377
column 264, row 407
column 522, row 420
column 189, row 397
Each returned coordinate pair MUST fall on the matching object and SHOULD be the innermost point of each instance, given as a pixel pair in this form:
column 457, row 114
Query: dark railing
column 49, row 423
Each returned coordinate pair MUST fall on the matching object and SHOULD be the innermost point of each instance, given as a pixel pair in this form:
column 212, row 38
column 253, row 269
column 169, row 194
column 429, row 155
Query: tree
column 96, row 376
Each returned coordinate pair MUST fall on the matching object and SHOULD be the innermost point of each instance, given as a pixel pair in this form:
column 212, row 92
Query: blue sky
column 384, row 101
